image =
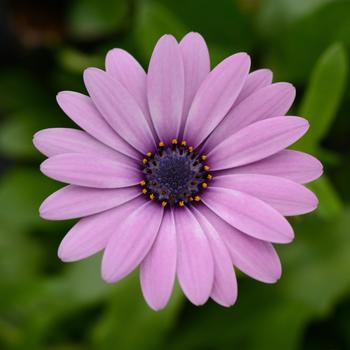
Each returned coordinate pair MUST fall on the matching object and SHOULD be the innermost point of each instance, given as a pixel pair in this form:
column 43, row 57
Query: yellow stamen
column 149, row 154
column 183, row 143
column 190, row 149
column 206, row 167
column 142, row 182
column 161, row 144
column 174, row 141
column 181, row 203
column 203, row 157
column 144, row 191
column 144, row 161
column 210, row 177
column 151, row 196
column 204, row 185
column 197, row 198
column 164, row 203
column 191, row 199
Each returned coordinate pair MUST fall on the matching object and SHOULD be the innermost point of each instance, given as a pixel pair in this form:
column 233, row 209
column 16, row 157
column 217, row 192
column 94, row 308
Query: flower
column 182, row 171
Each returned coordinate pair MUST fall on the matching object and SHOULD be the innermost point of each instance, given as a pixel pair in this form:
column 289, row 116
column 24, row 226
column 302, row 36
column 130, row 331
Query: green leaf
column 89, row 19
column 128, row 308
column 76, row 61
column 330, row 204
column 294, row 47
column 276, row 14
column 324, row 94
column 22, row 191
column 153, row 21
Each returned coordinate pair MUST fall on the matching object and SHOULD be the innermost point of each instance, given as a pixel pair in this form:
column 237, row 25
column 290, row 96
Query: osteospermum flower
column 182, row 171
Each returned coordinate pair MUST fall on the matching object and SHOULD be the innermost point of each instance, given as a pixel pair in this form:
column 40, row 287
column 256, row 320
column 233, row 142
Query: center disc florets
column 174, row 174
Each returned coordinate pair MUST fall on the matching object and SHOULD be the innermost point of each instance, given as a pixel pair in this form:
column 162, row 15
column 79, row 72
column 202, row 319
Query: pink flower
column 182, row 171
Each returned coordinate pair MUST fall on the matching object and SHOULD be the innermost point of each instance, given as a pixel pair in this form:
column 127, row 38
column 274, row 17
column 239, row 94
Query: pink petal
column 255, row 81
column 249, row 214
column 52, row 142
column 119, row 108
column 224, row 290
column 158, row 269
column 132, row 239
column 124, row 67
column 215, row 97
column 286, row 196
column 256, row 258
column 296, row 166
column 257, row 141
column 195, row 266
column 83, row 112
column 271, row 101
column 91, row 234
column 165, row 88
column 89, row 170
column 73, row 201
column 197, row 66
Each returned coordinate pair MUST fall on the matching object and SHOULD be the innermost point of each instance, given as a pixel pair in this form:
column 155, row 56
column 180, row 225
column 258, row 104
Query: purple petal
column 249, row 215
column 286, row 196
column 91, row 234
column 296, row 166
column 89, row 170
column 132, row 239
column 165, row 88
column 224, row 290
column 158, row 269
column 255, row 81
column 256, row 258
column 196, row 65
column 257, row 141
column 215, row 97
column 195, row 266
column 72, row 202
column 52, row 142
column 124, row 67
column 83, row 112
column 119, row 108
column 271, row 101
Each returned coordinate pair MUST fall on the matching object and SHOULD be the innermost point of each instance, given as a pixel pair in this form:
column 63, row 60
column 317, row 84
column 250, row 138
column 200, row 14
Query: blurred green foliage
column 45, row 304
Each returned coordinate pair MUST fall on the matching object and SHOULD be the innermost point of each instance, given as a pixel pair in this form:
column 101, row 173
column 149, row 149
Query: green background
column 45, row 304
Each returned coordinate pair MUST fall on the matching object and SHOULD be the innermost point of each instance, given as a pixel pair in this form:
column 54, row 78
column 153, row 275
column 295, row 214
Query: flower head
column 182, row 171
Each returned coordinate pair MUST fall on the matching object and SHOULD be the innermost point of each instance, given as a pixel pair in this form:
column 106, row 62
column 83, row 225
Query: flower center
column 174, row 174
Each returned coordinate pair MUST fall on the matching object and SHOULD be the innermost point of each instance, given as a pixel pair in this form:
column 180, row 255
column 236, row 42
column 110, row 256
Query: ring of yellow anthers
column 174, row 174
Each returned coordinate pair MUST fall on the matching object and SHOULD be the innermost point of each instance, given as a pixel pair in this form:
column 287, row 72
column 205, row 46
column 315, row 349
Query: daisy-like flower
column 182, row 171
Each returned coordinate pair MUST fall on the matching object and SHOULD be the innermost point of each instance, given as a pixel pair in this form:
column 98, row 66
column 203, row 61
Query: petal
column 89, row 170
column 91, row 234
column 286, row 196
column 83, row 112
column 294, row 165
column 271, row 101
column 224, row 290
column 196, row 62
column 124, row 67
column 52, row 142
column 195, row 266
column 74, row 201
column 257, row 141
column 215, row 97
column 158, row 269
column 132, row 239
column 165, row 88
column 119, row 108
column 256, row 258
column 255, row 81
column 249, row 215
